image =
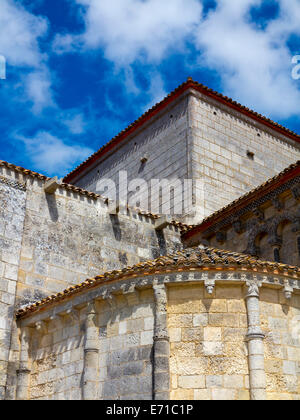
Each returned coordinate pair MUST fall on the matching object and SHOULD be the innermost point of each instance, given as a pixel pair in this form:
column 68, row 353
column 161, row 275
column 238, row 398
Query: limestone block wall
column 207, row 342
column 219, row 335
column 56, row 360
column 164, row 142
column 12, row 213
column 201, row 139
column 281, row 324
column 221, row 140
column 68, row 237
column 126, row 341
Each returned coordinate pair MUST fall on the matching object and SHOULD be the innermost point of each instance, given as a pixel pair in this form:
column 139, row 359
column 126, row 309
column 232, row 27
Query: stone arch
column 286, row 227
column 254, row 239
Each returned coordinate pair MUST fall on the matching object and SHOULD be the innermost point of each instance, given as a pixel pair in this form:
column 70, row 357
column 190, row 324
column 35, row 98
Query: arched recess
column 265, row 251
column 286, row 228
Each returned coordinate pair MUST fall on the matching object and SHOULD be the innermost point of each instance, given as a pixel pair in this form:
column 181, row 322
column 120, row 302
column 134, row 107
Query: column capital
column 252, row 289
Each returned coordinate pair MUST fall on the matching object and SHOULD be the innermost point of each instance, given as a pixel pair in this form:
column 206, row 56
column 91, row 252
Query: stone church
column 134, row 304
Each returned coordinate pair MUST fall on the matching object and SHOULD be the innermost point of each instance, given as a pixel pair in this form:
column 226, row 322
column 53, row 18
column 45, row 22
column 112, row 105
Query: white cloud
column 20, row 32
column 38, row 89
column 75, row 122
column 50, row 154
column 134, row 29
column 156, row 90
column 254, row 64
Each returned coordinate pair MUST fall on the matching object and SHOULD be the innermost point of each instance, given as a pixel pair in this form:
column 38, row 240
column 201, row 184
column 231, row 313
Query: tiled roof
column 201, row 258
column 189, row 84
column 289, row 173
column 41, row 177
column 183, row 227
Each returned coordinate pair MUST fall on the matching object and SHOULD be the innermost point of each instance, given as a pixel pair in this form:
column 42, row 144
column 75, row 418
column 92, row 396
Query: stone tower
column 200, row 135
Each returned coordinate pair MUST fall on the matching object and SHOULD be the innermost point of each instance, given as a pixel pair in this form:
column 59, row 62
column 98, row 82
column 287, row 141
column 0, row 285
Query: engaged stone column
column 161, row 361
column 91, row 355
column 255, row 338
column 23, row 373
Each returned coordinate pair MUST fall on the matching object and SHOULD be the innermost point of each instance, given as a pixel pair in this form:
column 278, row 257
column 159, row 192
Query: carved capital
column 275, row 240
column 252, row 289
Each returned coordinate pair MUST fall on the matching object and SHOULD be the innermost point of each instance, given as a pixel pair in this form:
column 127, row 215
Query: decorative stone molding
column 293, row 185
column 296, row 192
column 41, row 327
column 259, row 214
column 278, row 205
column 288, row 291
column 210, row 286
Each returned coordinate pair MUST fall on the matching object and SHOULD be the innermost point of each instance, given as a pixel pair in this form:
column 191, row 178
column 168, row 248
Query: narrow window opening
column 250, row 155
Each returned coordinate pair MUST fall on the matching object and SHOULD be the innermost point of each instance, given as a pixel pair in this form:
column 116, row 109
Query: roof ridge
column 208, row 257
column 189, row 83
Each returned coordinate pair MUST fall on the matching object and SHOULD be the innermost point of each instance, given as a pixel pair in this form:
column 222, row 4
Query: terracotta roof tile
column 198, row 258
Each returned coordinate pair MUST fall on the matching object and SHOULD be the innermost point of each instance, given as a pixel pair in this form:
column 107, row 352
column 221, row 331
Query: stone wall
column 208, row 349
column 232, row 154
column 124, row 338
column 68, row 237
column 12, row 213
column 198, row 138
column 231, row 336
column 56, row 359
column 126, row 341
column 164, row 143
column 50, row 242
column 281, row 324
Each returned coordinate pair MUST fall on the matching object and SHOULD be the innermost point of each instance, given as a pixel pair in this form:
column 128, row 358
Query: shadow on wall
column 116, row 226
column 52, row 207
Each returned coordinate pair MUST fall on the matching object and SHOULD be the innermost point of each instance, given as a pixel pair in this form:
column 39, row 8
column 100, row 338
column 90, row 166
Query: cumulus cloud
column 254, row 64
column 134, row 29
column 20, row 33
column 74, row 121
column 49, row 153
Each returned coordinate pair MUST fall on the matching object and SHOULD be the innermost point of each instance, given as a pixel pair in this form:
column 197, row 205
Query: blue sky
column 80, row 71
